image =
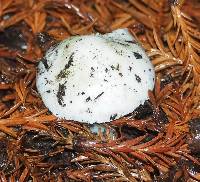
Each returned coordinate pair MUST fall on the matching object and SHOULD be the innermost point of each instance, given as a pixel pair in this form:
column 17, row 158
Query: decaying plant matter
column 159, row 141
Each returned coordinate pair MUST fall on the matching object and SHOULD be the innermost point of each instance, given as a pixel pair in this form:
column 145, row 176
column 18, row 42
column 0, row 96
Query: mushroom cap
column 95, row 78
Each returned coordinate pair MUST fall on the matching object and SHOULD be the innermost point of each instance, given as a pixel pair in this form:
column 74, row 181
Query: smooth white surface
column 95, row 78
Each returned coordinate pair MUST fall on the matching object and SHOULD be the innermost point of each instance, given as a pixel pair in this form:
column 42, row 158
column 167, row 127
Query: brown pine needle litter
column 158, row 142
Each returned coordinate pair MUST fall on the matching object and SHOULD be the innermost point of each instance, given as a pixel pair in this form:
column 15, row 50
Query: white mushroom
column 95, row 78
